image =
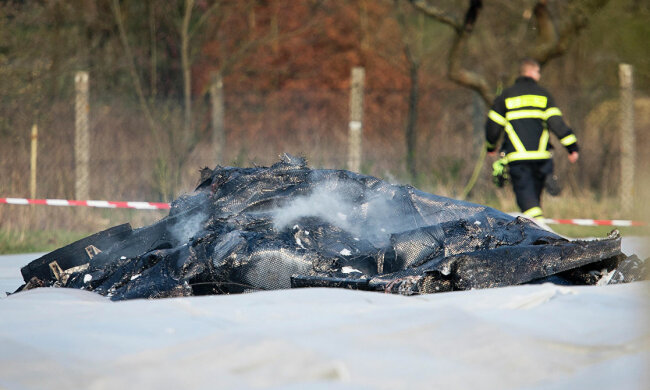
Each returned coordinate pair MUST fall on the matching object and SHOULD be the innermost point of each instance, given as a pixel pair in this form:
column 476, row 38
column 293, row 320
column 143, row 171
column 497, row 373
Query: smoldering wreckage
column 289, row 226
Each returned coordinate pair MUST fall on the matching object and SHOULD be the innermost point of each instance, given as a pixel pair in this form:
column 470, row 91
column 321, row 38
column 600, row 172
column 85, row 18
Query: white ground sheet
column 522, row 337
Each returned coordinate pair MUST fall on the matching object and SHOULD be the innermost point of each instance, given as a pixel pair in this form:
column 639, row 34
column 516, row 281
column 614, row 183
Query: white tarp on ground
column 521, row 337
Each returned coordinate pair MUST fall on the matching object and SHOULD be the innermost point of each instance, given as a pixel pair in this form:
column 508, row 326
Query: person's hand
column 573, row 157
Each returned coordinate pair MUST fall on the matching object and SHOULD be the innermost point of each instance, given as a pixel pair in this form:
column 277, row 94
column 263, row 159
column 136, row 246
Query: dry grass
column 309, row 124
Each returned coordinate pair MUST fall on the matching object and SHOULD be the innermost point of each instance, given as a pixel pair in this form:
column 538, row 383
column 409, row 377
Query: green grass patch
column 576, row 231
column 36, row 241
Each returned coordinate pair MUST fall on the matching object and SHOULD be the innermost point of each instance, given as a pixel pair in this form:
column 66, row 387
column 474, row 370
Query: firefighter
column 526, row 112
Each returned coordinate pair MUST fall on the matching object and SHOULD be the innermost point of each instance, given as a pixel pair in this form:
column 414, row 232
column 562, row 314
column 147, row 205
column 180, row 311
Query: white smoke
column 323, row 203
column 373, row 219
column 186, row 228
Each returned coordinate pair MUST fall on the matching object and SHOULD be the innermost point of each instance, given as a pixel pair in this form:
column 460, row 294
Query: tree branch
column 546, row 33
column 204, row 17
column 551, row 44
column 437, row 14
column 185, row 67
column 465, row 77
column 132, row 70
column 455, row 70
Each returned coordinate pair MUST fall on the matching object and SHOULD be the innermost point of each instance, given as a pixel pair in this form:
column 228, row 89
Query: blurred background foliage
column 286, row 68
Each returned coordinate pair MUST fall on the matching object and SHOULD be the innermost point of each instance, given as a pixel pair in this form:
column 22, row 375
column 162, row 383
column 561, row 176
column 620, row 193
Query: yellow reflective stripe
column 497, row 118
column 525, row 155
column 552, row 112
column 569, row 139
column 526, row 101
column 523, row 114
column 514, row 138
column 543, row 141
column 534, row 212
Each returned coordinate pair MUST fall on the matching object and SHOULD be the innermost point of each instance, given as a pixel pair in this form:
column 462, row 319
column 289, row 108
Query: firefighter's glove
column 500, row 174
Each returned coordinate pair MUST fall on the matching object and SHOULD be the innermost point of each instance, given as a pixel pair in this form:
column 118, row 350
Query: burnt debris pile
column 284, row 226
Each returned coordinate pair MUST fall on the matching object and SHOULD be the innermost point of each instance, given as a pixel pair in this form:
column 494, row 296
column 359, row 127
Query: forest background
column 431, row 68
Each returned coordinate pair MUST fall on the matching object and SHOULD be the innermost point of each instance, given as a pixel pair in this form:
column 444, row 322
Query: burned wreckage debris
column 288, row 226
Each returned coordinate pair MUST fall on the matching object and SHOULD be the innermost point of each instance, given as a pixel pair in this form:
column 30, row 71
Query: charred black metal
column 288, row 226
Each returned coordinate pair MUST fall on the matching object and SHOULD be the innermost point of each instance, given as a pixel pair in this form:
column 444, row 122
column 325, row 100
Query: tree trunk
column 218, row 128
column 411, row 124
column 185, row 64
column 154, row 52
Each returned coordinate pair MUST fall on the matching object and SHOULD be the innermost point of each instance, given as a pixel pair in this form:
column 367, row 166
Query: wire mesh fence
column 127, row 161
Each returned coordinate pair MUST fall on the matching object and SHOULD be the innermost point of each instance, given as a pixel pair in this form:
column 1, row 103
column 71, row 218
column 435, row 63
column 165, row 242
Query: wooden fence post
column 356, row 119
column 218, row 112
column 626, row 77
column 81, row 139
column 34, row 155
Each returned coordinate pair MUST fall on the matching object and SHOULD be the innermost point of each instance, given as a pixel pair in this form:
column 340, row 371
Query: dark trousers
column 528, row 181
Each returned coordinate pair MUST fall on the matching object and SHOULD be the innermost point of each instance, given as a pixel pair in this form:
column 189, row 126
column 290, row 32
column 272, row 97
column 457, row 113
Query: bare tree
column 553, row 37
column 173, row 146
column 185, row 66
column 398, row 35
column 191, row 23
column 551, row 41
column 410, row 40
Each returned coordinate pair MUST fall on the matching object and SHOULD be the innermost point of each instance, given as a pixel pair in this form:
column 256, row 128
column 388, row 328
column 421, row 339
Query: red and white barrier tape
column 165, row 206
column 88, row 203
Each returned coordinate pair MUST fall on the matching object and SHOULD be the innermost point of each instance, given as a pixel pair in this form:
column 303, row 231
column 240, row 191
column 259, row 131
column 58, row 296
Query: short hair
column 527, row 63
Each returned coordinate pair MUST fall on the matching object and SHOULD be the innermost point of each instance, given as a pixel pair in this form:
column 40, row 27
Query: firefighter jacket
column 526, row 112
